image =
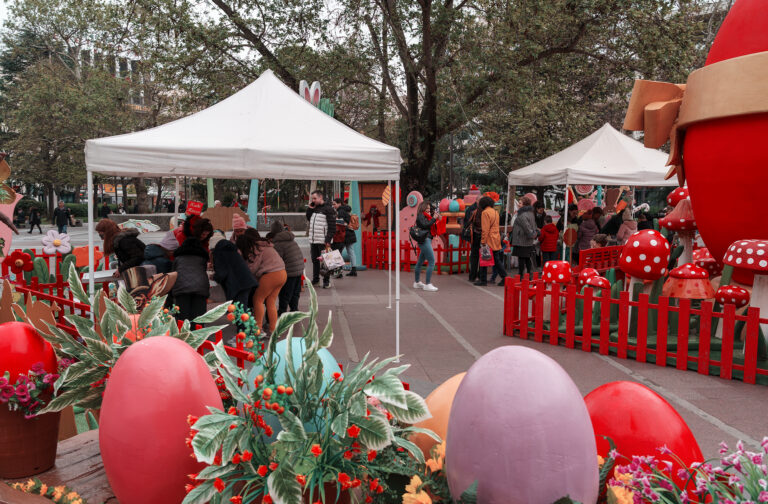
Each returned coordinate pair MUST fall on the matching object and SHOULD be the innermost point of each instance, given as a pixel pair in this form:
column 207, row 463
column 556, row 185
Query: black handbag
column 418, row 234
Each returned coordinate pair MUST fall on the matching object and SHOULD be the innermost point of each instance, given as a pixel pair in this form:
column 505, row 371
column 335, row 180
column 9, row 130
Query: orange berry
column 275, row 406
column 165, row 310
column 260, row 378
column 251, row 358
column 230, row 317
column 280, row 389
column 289, row 390
column 231, row 308
column 249, row 344
column 240, row 335
column 281, row 410
column 244, row 317
column 267, row 393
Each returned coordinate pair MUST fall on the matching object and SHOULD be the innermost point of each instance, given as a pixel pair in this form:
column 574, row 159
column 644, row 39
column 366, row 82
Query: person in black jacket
column 425, row 219
column 125, row 244
column 322, row 225
column 62, row 217
column 191, row 290
column 34, row 220
column 231, row 271
column 104, row 211
column 285, row 244
column 472, row 219
column 344, row 215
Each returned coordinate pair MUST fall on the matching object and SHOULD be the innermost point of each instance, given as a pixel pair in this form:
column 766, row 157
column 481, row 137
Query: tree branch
column 385, row 67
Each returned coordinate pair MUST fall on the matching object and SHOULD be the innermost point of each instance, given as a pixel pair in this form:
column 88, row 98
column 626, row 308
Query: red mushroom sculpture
column 676, row 196
column 703, row 259
column 645, row 256
column 732, row 294
column 752, row 255
column 598, row 282
column 555, row 272
column 681, row 220
column 585, row 275
column 690, row 282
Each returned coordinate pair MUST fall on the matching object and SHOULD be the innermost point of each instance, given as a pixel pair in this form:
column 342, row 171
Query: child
column 548, row 240
column 599, row 241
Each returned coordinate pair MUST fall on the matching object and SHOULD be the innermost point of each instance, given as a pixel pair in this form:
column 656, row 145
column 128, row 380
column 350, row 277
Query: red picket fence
column 60, row 294
column 53, row 261
column 602, row 259
column 450, row 259
column 683, row 335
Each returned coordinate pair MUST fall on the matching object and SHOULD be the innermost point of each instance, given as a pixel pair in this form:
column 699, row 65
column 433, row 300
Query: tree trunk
column 50, row 194
column 141, row 194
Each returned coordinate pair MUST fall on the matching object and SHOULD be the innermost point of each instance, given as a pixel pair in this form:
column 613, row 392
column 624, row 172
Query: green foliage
column 341, row 432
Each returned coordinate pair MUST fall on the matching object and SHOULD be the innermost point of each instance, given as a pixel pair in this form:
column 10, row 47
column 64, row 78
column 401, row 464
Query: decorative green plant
column 102, row 340
column 332, row 433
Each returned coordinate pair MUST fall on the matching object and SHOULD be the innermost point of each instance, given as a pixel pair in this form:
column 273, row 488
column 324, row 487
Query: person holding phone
column 426, row 218
column 322, row 225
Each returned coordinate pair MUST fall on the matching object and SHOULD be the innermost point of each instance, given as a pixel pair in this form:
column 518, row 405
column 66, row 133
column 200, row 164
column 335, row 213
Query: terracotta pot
column 330, row 494
column 27, row 446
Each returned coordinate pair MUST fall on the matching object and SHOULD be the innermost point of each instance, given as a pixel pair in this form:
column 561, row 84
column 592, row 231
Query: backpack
column 354, row 222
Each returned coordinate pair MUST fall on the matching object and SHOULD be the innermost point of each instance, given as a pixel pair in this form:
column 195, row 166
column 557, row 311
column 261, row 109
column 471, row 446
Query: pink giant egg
column 730, row 150
column 21, row 347
column 519, row 427
column 445, row 204
column 639, row 421
column 152, row 388
column 439, row 402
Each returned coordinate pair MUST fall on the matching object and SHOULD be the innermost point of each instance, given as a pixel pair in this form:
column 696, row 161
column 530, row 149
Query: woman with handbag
column 490, row 243
column 524, row 231
column 422, row 232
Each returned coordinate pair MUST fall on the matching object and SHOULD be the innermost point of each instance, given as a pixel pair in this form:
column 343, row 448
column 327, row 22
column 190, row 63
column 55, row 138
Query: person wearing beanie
column 238, row 227
column 628, row 227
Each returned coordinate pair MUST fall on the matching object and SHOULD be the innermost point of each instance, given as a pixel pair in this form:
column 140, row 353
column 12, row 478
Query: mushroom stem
column 687, row 238
column 760, row 299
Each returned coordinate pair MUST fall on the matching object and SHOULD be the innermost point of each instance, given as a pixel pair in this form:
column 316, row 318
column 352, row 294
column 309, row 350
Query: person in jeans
column 344, row 213
column 322, row 225
column 285, row 244
column 425, row 220
column 61, row 217
column 491, row 237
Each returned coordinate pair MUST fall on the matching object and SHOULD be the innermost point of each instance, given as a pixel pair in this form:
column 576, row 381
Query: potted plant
column 102, row 340
column 337, row 439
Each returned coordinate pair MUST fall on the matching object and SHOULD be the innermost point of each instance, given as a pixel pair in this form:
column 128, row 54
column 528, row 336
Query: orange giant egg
column 152, row 388
column 439, row 403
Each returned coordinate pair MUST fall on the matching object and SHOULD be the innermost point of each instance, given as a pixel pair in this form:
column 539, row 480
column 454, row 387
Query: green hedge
column 27, row 203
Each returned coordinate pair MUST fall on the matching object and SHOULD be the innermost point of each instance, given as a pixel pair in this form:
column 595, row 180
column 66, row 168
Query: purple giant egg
column 520, row 428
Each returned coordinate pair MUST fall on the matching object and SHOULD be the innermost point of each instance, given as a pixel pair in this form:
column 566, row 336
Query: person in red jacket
column 548, row 240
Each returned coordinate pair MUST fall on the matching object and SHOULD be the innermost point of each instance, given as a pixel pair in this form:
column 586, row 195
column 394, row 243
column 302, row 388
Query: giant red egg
column 152, row 388
column 639, row 421
column 21, row 347
column 725, row 159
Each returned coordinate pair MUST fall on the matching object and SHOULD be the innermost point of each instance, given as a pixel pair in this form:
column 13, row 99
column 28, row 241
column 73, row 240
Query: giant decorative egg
column 730, row 152
column 439, row 402
column 519, row 427
column 152, row 388
column 639, row 421
column 453, row 206
column 445, row 204
column 21, row 347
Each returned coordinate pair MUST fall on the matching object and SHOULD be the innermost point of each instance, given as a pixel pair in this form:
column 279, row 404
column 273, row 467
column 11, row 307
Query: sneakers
column 480, row 283
column 430, row 288
column 326, row 284
column 501, row 282
column 418, row 285
column 352, row 273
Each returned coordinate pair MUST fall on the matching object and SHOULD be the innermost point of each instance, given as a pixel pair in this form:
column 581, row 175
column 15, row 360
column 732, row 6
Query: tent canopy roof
column 605, row 157
column 265, row 130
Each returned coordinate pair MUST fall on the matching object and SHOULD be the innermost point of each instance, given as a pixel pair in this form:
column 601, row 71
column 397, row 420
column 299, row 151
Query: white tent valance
column 606, row 157
column 266, row 130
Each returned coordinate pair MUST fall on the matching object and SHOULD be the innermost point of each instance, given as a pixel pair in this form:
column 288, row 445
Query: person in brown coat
column 490, row 237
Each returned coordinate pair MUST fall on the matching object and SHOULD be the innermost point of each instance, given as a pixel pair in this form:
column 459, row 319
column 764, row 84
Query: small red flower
column 371, row 455
column 191, row 419
column 316, row 450
column 379, row 489
column 232, row 410
column 219, row 485
column 268, row 431
column 301, row 479
column 272, row 466
column 262, row 470
column 353, row 431
column 217, row 459
column 349, row 455
column 337, row 376
column 237, row 499
column 356, row 483
column 246, row 456
column 236, row 459
column 344, row 480
column 368, row 499
column 267, row 499
column 373, row 484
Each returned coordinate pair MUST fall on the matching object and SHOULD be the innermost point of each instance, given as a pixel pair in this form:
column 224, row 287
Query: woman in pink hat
column 238, row 227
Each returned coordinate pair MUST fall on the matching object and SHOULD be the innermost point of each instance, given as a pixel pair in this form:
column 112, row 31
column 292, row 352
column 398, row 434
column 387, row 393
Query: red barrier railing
column 450, row 259
column 670, row 332
column 53, row 261
column 602, row 259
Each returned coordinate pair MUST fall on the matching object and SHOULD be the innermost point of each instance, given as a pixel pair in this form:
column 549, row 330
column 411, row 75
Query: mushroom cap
column 598, row 282
column 585, row 275
column 701, row 253
column 681, row 218
column 688, row 281
column 732, row 294
column 645, row 255
column 677, row 195
column 689, row 271
column 748, row 254
column 710, row 264
column 556, row 272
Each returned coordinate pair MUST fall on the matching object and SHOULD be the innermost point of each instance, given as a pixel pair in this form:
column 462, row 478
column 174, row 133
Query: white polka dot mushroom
column 732, row 294
column 676, row 196
column 689, row 282
column 598, row 282
column 555, row 272
column 681, row 221
column 645, row 256
column 585, row 275
column 752, row 255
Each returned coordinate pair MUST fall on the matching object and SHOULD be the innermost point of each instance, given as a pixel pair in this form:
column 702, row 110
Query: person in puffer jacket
column 232, row 273
column 191, row 290
column 156, row 256
column 125, row 244
column 285, row 244
column 322, row 225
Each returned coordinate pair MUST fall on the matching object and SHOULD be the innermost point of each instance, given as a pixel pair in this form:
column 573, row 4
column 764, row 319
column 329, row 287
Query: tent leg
column 253, row 203
column 565, row 217
column 176, row 201
column 209, row 190
column 91, row 254
column 396, row 201
column 389, row 244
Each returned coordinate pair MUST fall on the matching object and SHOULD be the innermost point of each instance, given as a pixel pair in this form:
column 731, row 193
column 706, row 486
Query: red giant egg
column 639, row 421
column 152, row 388
column 726, row 158
column 21, row 347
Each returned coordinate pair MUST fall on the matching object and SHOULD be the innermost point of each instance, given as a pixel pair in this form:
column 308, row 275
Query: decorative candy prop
column 81, row 256
column 639, row 421
column 19, row 262
column 553, row 428
column 439, row 402
column 445, row 203
column 583, row 190
column 453, row 206
column 408, row 218
column 143, row 419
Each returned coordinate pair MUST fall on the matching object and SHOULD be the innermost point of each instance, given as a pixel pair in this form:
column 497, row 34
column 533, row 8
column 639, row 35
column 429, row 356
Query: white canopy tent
column 266, row 130
column 606, row 157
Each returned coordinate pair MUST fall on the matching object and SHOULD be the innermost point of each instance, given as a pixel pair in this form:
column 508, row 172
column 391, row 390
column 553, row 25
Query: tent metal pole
column 396, row 201
column 91, row 254
column 565, row 216
column 176, row 201
column 389, row 243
